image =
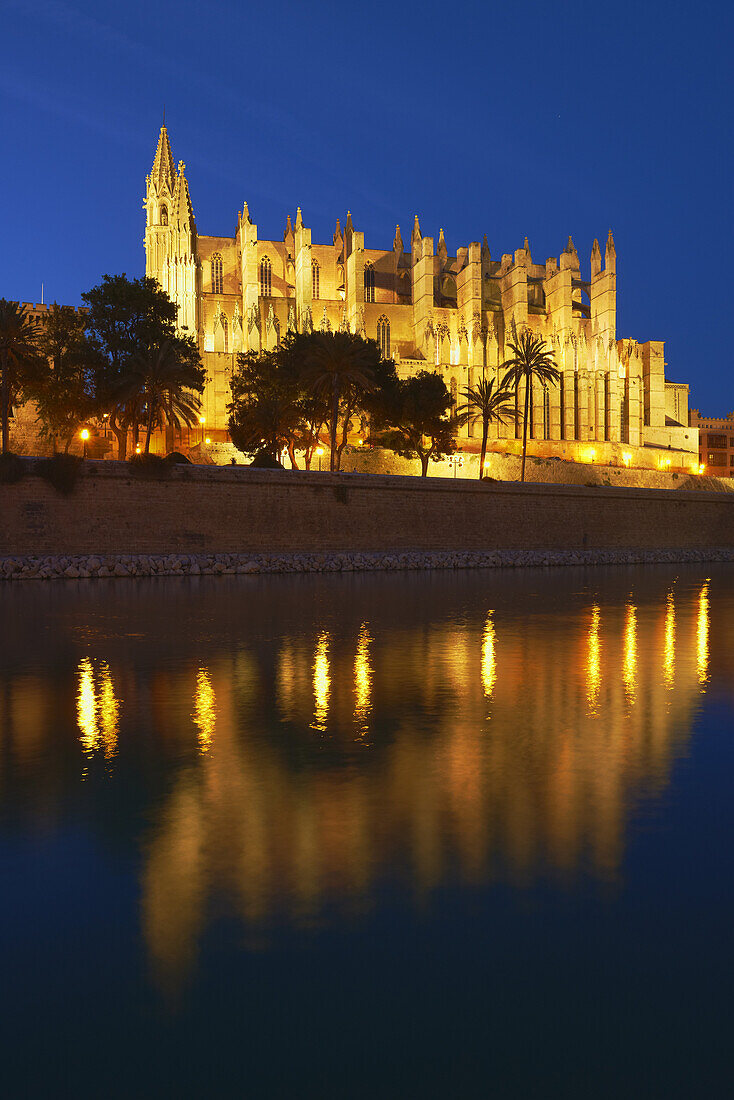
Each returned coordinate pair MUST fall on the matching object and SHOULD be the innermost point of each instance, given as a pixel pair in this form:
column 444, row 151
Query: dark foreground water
column 451, row 835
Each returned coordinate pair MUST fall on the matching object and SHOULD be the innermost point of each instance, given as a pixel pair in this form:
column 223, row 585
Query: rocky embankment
column 174, row 565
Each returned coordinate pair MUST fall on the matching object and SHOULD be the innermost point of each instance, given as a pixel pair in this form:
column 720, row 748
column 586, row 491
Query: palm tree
column 164, row 381
column 531, row 360
column 18, row 355
column 489, row 405
column 337, row 362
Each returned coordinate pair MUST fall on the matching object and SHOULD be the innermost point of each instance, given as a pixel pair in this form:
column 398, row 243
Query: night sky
column 507, row 118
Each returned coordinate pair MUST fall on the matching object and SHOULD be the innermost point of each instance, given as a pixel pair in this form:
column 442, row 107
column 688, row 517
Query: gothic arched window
column 369, row 283
column 164, row 215
column 383, row 336
column 217, row 279
column 266, row 277
column 315, row 273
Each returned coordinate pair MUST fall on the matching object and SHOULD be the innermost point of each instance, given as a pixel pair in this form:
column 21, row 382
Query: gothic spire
column 397, row 243
column 610, row 249
column 348, row 227
column 183, row 210
column 442, row 251
column 416, row 234
column 595, row 258
column 486, row 254
column 163, row 172
column 338, row 239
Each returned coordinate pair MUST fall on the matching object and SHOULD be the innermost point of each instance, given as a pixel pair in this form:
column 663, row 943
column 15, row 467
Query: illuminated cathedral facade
column 454, row 314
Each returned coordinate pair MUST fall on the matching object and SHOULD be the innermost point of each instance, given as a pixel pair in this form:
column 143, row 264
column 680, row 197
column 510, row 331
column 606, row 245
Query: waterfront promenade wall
column 206, row 510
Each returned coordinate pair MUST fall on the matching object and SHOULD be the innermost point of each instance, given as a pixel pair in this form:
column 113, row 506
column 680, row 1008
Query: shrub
column 264, row 461
column 61, row 471
column 12, row 468
column 175, row 458
column 149, row 465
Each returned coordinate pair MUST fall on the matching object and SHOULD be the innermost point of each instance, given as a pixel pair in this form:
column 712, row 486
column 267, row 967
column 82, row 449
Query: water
column 411, row 835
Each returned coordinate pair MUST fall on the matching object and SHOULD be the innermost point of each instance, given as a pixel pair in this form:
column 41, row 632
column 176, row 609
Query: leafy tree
column 530, row 362
column 486, row 404
column 415, row 417
column 164, row 380
column 129, row 319
column 20, row 363
column 344, row 367
column 64, row 397
column 267, row 411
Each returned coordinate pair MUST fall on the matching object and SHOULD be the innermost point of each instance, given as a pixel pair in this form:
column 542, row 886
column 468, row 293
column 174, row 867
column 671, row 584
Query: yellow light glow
column 489, row 659
column 319, row 450
column 86, row 707
column 591, row 455
column 207, row 440
column 702, row 634
column 626, row 458
column 629, row 665
column 362, row 679
column 321, row 683
column 84, row 434
column 205, row 710
column 137, row 449
column 108, row 710
column 486, row 462
column 593, row 662
column 669, row 648
column 701, row 468
column 202, row 420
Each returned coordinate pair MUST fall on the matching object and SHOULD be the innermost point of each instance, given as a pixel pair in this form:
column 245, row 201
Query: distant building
column 454, row 314
column 716, row 447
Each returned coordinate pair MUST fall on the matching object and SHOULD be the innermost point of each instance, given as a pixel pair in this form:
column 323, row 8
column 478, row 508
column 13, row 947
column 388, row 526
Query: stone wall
column 197, row 510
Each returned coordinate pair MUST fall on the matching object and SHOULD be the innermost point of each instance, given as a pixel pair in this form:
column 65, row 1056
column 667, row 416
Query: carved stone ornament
column 325, row 322
column 291, row 319
column 253, row 319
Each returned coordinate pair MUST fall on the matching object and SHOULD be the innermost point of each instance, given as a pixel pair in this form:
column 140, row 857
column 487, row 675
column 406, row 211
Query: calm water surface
column 447, row 835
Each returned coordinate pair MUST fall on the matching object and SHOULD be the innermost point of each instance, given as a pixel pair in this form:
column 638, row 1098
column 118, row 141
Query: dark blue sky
column 507, row 118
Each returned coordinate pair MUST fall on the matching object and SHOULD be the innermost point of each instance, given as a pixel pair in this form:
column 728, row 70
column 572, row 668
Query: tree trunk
column 485, row 433
column 5, row 403
column 525, row 428
column 120, row 432
column 334, row 420
column 424, row 456
column 170, row 436
column 149, row 430
column 292, row 454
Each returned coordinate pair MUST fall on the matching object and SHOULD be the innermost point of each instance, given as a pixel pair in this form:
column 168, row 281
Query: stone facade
column 716, row 443
column 427, row 309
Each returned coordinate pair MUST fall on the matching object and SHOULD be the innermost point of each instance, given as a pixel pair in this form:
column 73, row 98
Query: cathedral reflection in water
column 309, row 761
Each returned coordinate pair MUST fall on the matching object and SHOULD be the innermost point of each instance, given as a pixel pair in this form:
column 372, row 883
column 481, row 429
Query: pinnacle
column 163, row 171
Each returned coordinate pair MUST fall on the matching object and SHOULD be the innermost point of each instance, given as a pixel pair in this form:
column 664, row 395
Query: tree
column 165, row 380
column 270, row 410
column 64, row 397
column 530, row 362
column 343, row 366
column 415, row 417
column 489, row 405
column 20, row 363
column 127, row 319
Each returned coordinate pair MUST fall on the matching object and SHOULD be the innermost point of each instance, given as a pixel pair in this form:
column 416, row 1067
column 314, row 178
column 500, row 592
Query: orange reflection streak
column 362, row 680
column 629, row 665
column 321, row 683
column 489, row 660
column 702, row 634
column 97, row 710
column 593, row 662
column 205, row 710
column 669, row 649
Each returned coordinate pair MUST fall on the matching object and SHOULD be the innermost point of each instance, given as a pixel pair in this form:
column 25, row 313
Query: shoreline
column 130, row 566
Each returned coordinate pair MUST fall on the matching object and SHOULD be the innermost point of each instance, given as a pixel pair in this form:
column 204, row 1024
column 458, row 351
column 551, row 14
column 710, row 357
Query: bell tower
column 170, row 234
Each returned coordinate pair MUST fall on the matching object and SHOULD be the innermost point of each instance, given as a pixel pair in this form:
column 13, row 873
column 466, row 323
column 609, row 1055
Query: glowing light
column 702, row 634
column 701, row 467
column 665, row 463
column 629, row 665
column 108, row 710
column 360, row 442
column 626, row 458
column 86, row 707
column 321, row 683
column 362, row 679
column 207, row 440
column 319, row 450
column 591, row 455
column 669, row 649
column 137, row 449
column 489, row 659
column 202, row 420
column 84, row 434
column 205, row 710
column 593, row 662
column 486, row 462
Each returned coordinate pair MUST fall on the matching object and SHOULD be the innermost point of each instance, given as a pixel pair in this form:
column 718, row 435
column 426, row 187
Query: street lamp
column 84, row 435
column 319, row 452
column 202, row 422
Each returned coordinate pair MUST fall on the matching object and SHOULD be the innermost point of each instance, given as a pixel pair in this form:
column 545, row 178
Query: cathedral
column 428, row 310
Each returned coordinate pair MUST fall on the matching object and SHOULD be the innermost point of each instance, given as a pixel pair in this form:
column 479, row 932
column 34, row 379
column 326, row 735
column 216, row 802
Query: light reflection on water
column 310, row 758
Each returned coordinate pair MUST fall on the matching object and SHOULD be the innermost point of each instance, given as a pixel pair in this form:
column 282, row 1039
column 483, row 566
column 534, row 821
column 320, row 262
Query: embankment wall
column 198, row 510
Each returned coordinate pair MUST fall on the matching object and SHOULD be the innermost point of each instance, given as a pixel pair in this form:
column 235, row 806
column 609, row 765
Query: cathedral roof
column 163, row 171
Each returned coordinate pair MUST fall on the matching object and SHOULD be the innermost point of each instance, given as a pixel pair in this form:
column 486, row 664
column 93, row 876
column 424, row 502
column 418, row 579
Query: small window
column 315, row 279
column 266, row 277
column 716, row 458
column 717, row 441
column 369, row 283
column 383, row 336
column 217, row 279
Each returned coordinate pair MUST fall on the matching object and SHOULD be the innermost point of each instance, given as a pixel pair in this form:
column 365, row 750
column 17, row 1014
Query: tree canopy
column 415, row 418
